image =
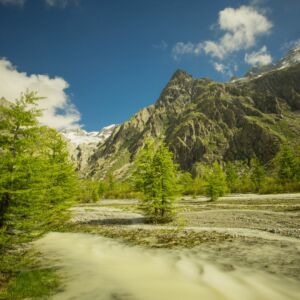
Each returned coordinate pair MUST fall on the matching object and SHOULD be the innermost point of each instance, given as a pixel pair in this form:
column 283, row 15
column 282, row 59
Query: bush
column 88, row 191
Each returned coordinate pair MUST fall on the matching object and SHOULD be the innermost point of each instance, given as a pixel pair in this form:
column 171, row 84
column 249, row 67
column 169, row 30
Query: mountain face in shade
column 203, row 121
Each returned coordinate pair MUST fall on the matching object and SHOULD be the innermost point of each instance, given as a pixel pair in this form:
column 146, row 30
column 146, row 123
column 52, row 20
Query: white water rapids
column 100, row 268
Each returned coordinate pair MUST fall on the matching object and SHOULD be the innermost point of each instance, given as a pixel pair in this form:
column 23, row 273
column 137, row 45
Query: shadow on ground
column 117, row 221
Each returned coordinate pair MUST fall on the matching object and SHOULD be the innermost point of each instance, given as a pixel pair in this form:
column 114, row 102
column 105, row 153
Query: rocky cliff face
column 203, row 120
column 83, row 144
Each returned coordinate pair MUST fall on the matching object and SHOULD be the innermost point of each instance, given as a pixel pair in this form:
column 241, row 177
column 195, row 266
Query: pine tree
column 155, row 176
column 216, row 182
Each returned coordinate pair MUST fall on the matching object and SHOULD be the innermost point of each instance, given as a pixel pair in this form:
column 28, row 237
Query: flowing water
column 100, row 268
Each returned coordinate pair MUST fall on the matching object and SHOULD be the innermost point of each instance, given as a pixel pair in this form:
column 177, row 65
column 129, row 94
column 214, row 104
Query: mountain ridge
column 203, row 120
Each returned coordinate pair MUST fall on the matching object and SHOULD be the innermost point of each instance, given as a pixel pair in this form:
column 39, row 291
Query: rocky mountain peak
column 291, row 58
column 180, row 75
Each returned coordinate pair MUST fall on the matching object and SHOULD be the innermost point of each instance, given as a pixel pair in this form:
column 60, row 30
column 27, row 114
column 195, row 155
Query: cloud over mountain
column 240, row 28
column 58, row 111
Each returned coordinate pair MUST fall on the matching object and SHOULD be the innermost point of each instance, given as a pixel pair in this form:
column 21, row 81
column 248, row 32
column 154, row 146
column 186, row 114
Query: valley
column 195, row 196
column 227, row 241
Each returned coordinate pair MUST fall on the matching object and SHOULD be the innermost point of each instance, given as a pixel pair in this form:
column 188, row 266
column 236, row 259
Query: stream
column 95, row 268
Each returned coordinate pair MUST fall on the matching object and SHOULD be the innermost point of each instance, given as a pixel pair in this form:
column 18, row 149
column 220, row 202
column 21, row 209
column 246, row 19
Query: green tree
column 186, row 183
column 216, row 182
column 156, row 177
column 88, row 191
column 257, row 174
column 102, row 188
column 297, row 161
column 16, row 137
column 143, row 175
column 285, row 164
column 232, row 177
column 37, row 180
column 111, row 181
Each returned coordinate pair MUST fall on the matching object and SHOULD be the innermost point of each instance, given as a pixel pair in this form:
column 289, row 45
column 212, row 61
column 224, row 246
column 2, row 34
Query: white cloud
column 181, row 48
column 163, row 45
column 258, row 58
column 242, row 26
column 13, row 2
column 51, row 3
column 228, row 69
column 219, row 67
column 61, row 3
column 58, row 112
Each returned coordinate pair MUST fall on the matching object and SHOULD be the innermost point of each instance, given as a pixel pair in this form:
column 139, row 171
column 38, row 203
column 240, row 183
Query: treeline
column 280, row 175
column 157, row 180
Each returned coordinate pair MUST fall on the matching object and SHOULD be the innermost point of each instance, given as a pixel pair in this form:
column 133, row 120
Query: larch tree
column 285, row 164
column 257, row 174
column 216, row 182
column 37, row 179
column 156, row 177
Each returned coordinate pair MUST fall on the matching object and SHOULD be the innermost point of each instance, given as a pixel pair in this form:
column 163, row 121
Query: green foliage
column 286, row 165
column 191, row 186
column 37, row 180
column 238, row 177
column 186, row 183
column 37, row 183
column 88, row 191
column 117, row 190
column 33, row 284
column 257, row 174
column 156, row 177
column 102, row 189
column 216, row 182
column 232, row 176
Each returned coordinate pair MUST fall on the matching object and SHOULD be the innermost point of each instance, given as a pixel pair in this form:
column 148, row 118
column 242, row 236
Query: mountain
column 82, row 144
column 203, row 120
column 291, row 58
column 79, row 136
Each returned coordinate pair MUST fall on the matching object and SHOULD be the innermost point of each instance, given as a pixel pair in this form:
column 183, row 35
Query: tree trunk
column 5, row 199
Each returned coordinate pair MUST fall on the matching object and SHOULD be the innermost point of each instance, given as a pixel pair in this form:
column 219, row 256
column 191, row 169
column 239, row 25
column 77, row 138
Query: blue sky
column 115, row 56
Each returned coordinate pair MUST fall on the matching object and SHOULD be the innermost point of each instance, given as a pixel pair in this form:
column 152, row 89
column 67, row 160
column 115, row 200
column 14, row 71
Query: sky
column 97, row 62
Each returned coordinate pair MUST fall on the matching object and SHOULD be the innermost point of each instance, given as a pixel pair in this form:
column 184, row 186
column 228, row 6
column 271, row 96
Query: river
column 95, row 268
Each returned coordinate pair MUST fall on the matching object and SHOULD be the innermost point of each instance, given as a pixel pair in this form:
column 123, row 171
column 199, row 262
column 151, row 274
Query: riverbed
column 95, row 267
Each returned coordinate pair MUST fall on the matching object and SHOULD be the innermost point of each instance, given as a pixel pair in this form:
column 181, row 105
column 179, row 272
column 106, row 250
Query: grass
column 33, row 284
column 22, row 276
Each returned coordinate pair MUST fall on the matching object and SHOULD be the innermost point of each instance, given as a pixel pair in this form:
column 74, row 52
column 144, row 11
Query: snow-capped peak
column 291, row 58
column 79, row 136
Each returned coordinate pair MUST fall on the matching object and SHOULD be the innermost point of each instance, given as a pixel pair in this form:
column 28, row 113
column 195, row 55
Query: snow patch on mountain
column 80, row 136
column 291, row 58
